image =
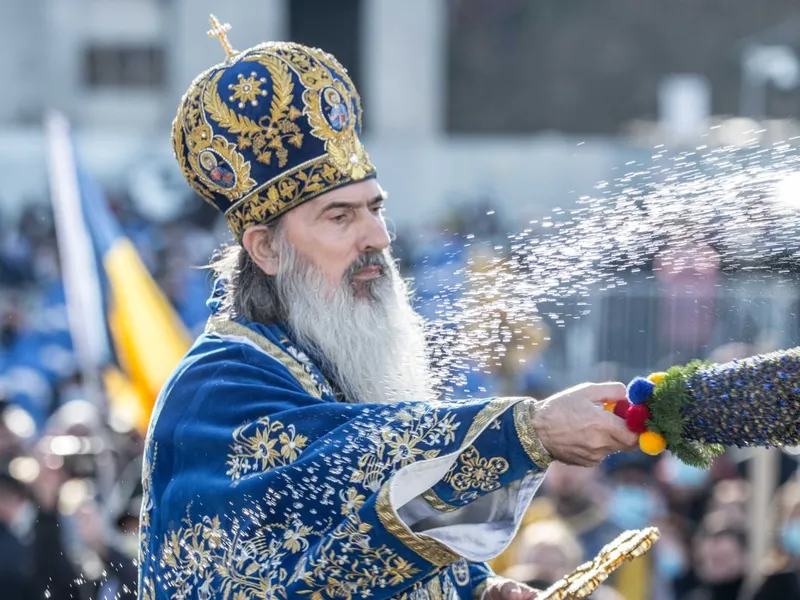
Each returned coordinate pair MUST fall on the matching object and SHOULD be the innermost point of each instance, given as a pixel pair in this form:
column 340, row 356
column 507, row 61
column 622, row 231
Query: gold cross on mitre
column 220, row 31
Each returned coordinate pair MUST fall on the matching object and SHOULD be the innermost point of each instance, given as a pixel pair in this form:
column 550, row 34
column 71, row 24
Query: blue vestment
column 258, row 483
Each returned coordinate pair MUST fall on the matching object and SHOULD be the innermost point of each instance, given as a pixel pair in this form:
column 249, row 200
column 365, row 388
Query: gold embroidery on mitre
column 329, row 106
column 342, row 145
column 268, row 136
column 214, row 165
column 211, row 160
column 305, row 182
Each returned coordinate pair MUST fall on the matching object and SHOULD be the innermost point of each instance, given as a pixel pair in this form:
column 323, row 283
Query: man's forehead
column 362, row 192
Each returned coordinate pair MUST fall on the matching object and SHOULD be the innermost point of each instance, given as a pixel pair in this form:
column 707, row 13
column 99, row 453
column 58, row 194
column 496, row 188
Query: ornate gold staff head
column 588, row 577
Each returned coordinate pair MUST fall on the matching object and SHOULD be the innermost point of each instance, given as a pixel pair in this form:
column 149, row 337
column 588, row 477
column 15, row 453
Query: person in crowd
column 634, row 501
column 546, row 551
column 719, row 555
column 782, row 578
column 580, row 497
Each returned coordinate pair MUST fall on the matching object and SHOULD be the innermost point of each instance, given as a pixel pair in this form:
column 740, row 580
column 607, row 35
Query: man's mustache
column 367, row 259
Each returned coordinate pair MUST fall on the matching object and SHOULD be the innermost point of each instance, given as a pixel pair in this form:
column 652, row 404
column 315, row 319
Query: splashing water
column 742, row 202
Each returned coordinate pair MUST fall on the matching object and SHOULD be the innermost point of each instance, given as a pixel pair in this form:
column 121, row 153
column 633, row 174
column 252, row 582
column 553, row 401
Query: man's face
column 335, row 229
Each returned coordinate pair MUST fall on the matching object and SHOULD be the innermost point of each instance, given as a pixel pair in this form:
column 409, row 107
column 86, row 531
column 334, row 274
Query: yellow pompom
column 609, row 406
column 656, row 377
column 652, row 443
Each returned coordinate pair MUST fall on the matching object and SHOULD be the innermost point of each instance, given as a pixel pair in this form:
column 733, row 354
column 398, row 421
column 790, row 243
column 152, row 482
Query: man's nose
column 375, row 237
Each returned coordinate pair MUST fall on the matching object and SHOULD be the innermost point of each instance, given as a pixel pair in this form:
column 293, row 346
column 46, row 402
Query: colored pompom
column 652, row 443
column 656, row 378
column 609, row 405
column 621, row 408
column 637, row 416
column 640, row 390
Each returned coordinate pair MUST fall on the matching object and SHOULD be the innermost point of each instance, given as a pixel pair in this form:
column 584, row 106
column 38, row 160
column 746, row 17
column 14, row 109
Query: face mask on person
column 790, row 537
column 632, row 507
column 687, row 477
column 669, row 562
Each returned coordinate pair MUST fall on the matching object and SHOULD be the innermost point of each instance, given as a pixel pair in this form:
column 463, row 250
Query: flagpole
column 85, row 311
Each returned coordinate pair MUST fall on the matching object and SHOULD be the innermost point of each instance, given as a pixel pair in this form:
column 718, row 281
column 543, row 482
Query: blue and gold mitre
column 268, row 129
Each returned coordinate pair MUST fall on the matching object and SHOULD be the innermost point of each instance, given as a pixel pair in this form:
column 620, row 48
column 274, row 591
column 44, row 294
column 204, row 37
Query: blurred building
column 517, row 101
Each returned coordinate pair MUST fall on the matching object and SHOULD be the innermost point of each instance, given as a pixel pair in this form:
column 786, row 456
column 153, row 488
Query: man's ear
column 257, row 240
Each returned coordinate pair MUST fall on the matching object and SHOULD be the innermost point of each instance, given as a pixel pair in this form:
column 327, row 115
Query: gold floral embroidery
column 203, row 559
column 224, row 116
column 147, row 590
column 266, row 137
column 261, row 446
column 352, row 501
column 214, row 164
column 418, row 433
column 206, row 560
column 473, row 472
column 301, row 373
column 527, row 436
column 249, row 558
column 247, row 90
column 489, row 415
column 346, row 564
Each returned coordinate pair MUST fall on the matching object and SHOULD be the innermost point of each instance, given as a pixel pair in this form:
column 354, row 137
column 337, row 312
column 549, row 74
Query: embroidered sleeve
column 505, row 452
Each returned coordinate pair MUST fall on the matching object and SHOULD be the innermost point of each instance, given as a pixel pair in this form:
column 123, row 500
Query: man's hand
column 499, row 588
column 574, row 428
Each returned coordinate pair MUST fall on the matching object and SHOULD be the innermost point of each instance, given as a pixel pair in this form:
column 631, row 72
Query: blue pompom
column 640, row 390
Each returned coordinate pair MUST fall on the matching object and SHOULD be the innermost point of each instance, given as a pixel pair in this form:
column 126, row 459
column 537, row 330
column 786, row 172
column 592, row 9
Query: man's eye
column 339, row 218
column 377, row 209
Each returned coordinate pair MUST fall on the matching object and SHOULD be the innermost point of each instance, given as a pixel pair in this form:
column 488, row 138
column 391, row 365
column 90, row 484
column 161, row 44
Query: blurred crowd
column 70, row 490
column 703, row 517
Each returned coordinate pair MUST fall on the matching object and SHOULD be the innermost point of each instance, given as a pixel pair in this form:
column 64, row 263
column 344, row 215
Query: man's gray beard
column 372, row 346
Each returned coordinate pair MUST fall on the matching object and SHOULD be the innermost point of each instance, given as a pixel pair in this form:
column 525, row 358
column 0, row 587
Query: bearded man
column 300, row 449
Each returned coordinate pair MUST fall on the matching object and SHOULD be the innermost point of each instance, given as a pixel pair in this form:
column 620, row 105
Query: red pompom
column 621, row 408
column 636, row 418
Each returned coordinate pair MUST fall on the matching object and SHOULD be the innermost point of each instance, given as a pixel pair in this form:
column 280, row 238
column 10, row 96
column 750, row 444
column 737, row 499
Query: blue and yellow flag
column 129, row 333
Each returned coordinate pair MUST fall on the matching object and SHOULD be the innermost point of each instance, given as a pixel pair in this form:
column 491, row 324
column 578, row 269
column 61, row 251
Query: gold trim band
column 428, row 548
column 527, row 435
column 287, row 191
column 222, row 326
column 436, row 502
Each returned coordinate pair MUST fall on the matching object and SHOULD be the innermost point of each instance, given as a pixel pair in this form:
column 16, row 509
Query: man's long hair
column 373, row 347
